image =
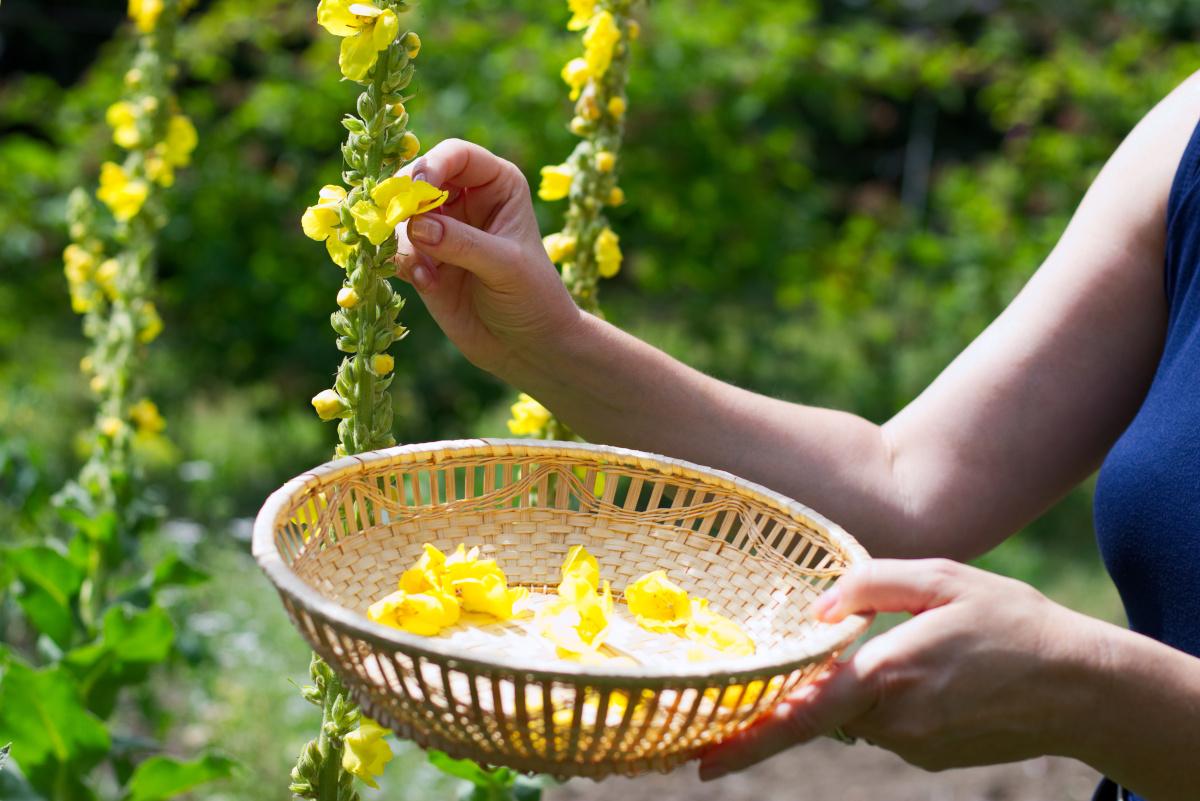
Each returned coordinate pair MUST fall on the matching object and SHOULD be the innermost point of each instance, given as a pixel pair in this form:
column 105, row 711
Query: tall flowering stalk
column 587, row 249
column 109, row 267
column 357, row 222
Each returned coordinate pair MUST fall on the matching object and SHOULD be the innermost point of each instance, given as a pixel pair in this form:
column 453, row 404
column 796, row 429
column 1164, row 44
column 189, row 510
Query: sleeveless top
column 1147, row 501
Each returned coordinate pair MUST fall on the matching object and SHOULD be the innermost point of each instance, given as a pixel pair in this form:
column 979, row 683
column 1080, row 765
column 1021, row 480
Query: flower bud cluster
column 109, row 263
column 357, row 221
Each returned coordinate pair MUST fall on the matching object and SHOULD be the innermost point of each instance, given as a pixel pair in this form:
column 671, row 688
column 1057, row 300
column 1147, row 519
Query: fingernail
column 418, row 174
column 426, row 229
column 420, row 277
column 822, row 607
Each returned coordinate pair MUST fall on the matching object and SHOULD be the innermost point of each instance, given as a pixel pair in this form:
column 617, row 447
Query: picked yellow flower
column 599, row 41
column 582, row 12
column 145, row 13
column 556, row 182
column 581, row 565
column 365, row 29
column 657, row 603
column 717, row 632
column 576, row 74
column 426, row 574
column 392, row 202
column 122, row 117
column 323, row 221
column 423, row 613
column 577, row 621
column 529, row 418
column 608, row 253
column 366, row 752
column 122, row 194
column 489, row 595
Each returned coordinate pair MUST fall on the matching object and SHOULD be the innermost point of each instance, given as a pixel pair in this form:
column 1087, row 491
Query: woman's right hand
column 478, row 262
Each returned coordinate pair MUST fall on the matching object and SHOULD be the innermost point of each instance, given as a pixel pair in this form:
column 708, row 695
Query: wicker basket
column 336, row 539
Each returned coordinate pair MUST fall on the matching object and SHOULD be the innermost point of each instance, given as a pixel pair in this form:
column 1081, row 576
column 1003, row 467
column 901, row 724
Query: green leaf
column 51, row 731
column 461, row 769
column 175, row 571
column 162, row 777
column 130, row 641
column 49, row 582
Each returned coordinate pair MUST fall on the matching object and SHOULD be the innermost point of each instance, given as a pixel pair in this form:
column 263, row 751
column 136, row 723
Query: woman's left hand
column 989, row 670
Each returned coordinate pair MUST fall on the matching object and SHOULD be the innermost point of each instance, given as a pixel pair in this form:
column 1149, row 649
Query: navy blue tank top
column 1147, row 505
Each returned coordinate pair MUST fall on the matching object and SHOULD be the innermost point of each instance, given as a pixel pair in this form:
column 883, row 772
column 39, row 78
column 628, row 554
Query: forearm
column 610, row 387
column 1136, row 717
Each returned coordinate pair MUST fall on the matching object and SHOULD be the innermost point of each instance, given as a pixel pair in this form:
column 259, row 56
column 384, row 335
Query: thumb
column 450, row 241
column 813, row 710
column 893, row 585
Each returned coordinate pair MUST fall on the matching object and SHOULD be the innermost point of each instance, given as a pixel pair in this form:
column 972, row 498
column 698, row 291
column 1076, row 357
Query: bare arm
column 1023, row 414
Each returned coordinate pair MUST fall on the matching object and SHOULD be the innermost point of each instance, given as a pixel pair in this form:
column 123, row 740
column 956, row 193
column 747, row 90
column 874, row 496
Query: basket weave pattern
column 337, row 539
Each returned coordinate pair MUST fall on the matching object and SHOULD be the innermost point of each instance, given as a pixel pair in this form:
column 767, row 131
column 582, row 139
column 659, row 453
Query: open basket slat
column 337, row 538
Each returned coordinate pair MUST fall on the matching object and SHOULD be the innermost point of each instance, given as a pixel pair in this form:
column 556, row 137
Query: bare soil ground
column 829, row 771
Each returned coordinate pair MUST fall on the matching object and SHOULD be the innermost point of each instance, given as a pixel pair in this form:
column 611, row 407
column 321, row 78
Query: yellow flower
column 601, row 37
column 122, row 117
column 616, row 106
column 146, row 417
column 323, row 222
column 716, row 632
column 365, row 30
column 123, row 195
column 577, row 622
column 392, row 202
column 180, row 141
column 423, row 613
column 576, row 73
column 366, row 752
column 582, row 566
column 581, row 14
column 106, row 277
column 479, row 584
column 529, row 418
column 657, row 603
column 635, row 30
column 329, row 404
column 556, row 182
column 347, row 298
column 111, row 427
column 559, row 246
column 608, row 253
column 412, row 44
column 78, row 264
column 410, row 146
column 616, row 196
column 152, row 324
column 426, row 574
column 87, row 364
column 382, row 364
column 606, row 160
column 579, row 126
column 145, row 13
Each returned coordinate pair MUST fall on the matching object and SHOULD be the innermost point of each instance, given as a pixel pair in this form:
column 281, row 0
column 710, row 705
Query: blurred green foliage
column 827, row 201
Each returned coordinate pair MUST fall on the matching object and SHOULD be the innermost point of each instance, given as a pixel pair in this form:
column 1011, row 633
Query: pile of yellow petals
column 365, row 29
column 608, row 253
column 122, row 194
column 323, row 221
column 577, row 620
column 435, row 592
column 529, row 418
column 366, row 752
column 659, row 604
column 392, row 202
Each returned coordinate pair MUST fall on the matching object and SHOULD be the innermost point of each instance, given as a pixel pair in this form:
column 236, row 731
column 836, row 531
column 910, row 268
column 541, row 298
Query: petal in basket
column 334, row 541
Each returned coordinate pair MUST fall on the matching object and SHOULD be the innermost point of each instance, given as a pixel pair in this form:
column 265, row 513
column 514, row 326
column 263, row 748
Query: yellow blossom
column 616, row 196
column 78, row 264
column 716, row 632
column 329, row 404
column 123, row 195
column 410, row 146
column 122, row 117
column 579, row 126
column 576, row 73
column 489, row 595
column 529, row 418
column 601, row 37
column 412, row 44
column 146, row 417
column 556, row 182
column 180, row 141
column 365, row 29
column 347, row 298
column 366, row 752
column 577, row 621
column 616, row 106
column 426, row 574
column 87, row 364
column 98, row 383
column 323, row 222
column 111, row 427
column 657, row 603
column 392, row 202
column 106, row 277
column 382, row 363
column 581, row 565
column 581, row 14
column 423, row 613
column 608, row 253
column 606, row 160
column 145, row 13
column 559, row 246
column 152, row 324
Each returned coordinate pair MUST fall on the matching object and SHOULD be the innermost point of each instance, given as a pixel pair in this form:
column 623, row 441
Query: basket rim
column 829, row 639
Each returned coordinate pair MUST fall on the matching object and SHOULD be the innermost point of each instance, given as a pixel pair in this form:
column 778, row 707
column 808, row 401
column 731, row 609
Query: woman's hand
column 989, row 670
column 478, row 261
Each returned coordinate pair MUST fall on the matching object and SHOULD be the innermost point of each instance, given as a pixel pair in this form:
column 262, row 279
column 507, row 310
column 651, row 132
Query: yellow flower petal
column 576, row 73
column 581, row 565
column 599, row 41
column 582, row 12
column 716, row 631
column 657, row 603
column 366, row 752
column 556, row 182
column 608, row 253
column 529, row 418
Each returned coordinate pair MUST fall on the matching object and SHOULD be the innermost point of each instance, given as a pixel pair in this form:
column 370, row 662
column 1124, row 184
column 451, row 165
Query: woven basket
column 336, row 539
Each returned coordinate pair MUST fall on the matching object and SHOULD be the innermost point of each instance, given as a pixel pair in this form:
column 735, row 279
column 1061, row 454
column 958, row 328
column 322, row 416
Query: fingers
column 457, row 163
column 450, row 241
column 814, row 710
column 892, row 585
